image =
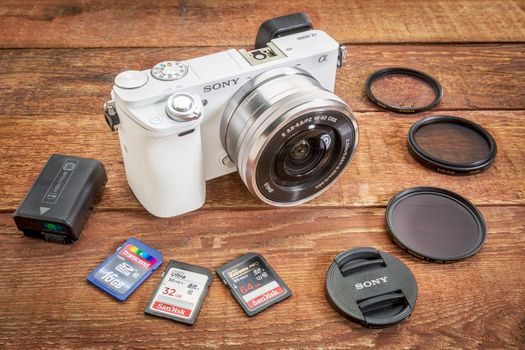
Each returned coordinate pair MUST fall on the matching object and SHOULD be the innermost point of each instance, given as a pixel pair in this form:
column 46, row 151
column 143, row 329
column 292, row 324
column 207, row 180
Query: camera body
column 172, row 120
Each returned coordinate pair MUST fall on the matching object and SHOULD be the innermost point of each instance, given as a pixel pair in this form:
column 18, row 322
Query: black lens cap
column 371, row 287
column 435, row 224
column 451, row 145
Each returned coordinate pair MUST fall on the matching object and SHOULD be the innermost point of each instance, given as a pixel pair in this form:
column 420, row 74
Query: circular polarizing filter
column 451, row 145
column 435, row 224
column 403, row 90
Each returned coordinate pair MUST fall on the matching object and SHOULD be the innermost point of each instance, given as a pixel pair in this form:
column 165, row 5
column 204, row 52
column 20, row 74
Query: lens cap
column 371, row 287
column 403, row 90
column 435, row 224
column 451, row 145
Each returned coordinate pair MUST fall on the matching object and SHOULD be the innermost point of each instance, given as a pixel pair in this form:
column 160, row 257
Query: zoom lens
column 289, row 137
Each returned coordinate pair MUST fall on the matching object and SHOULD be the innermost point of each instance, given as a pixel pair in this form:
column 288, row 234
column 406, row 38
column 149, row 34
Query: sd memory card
column 253, row 283
column 180, row 293
column 126, row 269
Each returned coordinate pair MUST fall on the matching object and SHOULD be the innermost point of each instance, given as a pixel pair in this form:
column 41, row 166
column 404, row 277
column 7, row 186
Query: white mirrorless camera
column 269, row 113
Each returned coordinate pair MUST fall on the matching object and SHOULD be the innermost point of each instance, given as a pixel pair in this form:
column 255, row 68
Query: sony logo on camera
column 220, row 85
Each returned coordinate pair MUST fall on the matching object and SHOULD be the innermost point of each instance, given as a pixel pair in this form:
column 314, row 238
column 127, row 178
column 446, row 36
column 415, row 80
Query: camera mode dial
column 169, row 70
column 183, row 107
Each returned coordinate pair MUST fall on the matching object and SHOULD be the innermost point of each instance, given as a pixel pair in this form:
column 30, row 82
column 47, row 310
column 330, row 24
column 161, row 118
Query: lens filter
column 451, row 145
column 435, row 224
column 403, row 90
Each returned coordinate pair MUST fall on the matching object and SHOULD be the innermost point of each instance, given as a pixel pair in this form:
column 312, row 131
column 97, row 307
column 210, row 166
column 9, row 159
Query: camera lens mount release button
column 131, row 79
column 169, row 70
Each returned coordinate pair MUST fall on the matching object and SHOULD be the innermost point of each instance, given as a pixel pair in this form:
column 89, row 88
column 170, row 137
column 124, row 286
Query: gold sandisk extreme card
column 254, row 284
column 180, row 293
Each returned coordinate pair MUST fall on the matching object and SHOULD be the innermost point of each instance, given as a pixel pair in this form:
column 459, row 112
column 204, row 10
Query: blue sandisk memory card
column 126, row 269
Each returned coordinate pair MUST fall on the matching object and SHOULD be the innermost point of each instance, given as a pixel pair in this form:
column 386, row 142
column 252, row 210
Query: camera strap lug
column 341, row 57
column 111, row 116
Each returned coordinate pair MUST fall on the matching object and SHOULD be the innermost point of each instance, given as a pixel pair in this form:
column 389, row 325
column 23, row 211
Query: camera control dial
column 183, row 107
column 131, row 79
column 169, row 70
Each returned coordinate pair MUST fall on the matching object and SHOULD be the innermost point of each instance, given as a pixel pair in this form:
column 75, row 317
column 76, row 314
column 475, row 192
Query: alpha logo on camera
column 220, row 85
column 368, row 284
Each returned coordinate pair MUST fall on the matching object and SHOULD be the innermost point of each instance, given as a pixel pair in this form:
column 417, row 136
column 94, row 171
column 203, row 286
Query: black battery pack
column 61, row 199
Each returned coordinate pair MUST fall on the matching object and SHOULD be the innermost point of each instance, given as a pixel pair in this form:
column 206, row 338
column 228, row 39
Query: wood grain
column 58, row 60
column 477, row 303
column 163, row 23
column 71, row 82
column 382, row 165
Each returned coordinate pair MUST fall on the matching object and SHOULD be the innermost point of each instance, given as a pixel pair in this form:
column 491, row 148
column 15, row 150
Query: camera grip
column 165, row 172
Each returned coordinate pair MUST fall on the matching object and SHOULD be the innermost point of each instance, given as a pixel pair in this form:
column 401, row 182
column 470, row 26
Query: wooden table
column 57, row 64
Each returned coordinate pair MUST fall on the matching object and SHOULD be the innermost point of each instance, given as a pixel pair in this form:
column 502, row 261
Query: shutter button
column 183, row 107
column 182, row 103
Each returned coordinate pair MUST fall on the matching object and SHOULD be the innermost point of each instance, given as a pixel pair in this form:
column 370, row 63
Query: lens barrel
column 289, row 137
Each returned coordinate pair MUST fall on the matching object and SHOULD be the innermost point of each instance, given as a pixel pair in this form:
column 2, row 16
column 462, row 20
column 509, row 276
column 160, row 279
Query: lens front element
column 300, row 151
column 331, row 140
column 297, row 159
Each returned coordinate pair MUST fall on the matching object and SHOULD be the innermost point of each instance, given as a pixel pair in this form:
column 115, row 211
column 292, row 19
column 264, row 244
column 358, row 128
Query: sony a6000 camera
column 270, row 113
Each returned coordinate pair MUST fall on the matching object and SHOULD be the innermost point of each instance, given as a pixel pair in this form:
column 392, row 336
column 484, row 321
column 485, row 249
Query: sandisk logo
column 368, row 284
column 171, row 309
column 265, row 297
column 136, row 259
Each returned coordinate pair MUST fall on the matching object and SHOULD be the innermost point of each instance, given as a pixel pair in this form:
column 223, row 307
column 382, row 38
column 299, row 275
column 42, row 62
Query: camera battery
column 181, row 292
column 254, row 284
column 125, row 270
column 61, row 199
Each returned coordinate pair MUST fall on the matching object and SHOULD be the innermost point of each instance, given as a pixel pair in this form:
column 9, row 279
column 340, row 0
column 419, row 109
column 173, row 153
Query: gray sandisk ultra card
column 253, row 283
column 180, row 293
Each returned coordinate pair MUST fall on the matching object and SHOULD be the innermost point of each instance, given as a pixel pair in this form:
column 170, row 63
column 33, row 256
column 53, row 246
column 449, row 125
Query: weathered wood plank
column 382, row 165
column 137, row 23
column 45, row 300
column 70, row 82
column 51, row 97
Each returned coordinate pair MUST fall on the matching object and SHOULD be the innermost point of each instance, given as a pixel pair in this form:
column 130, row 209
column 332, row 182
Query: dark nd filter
column 435, row 224
column 451, row 145
column 403, row 90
